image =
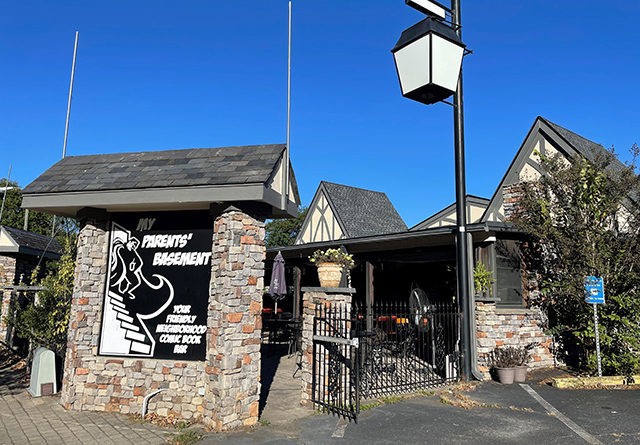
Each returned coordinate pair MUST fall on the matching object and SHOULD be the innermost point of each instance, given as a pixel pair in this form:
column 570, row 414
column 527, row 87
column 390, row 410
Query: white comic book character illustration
column 123, row 328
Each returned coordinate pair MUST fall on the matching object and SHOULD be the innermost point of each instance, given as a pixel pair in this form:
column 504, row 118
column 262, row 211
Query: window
column 508, row 273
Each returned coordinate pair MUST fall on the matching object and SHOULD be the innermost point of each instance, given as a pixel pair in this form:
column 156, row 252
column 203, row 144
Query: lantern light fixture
column 428, row 59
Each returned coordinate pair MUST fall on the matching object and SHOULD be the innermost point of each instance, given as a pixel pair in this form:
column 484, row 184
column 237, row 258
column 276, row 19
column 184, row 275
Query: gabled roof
column 176, row 168
column 227, row 173
column 472, row 200
column 14, row 240
column 547, row 136
column 363, row 212
column 340, row 211
column 590, row 150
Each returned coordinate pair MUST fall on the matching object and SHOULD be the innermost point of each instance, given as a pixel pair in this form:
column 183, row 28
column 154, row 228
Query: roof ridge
column 352, row 187
column 176, row 149
column 553, row 124
column 469, row 195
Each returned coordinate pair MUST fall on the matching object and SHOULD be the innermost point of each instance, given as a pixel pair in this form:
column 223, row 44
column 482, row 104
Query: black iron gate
column 392, row 349
column 404, row 350
column 335, row 361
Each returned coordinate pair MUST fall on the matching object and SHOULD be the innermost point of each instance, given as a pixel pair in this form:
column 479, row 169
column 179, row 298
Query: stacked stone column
column 79, row 390
column 237, row 283
column 311, row 297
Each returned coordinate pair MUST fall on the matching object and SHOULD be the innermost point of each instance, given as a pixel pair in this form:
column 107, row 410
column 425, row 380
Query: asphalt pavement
column 513, row 414
column 532, row 413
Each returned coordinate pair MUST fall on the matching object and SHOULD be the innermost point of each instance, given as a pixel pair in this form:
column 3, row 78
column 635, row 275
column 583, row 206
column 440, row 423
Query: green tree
column 43, row 318
column 584, row 220
column 13, row 216
column 282, row 232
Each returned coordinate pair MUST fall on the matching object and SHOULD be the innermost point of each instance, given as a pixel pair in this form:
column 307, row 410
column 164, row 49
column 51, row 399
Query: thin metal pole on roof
column 4, row 197
column 285, row 155
column 66, row 126
column 73, row 70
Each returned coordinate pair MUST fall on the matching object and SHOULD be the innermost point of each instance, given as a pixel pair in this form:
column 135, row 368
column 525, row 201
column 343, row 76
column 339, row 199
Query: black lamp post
column 428, row 58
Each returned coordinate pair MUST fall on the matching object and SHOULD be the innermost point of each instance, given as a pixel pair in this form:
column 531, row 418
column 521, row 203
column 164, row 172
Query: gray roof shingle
column 153, row 169
column 594, row 152
column 33, row 241
column 589, row 149
column 363, row 212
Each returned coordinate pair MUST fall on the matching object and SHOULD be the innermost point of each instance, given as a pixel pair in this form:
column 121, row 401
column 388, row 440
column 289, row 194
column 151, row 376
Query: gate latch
column 343, row 341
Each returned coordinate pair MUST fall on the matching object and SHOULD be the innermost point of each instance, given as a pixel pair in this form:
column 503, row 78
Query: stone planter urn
column 329, row 274
column 520, row 374
column 506, row 376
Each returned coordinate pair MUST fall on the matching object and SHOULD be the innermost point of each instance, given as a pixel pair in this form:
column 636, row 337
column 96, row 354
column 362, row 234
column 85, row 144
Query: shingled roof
column 22, row 241
column 363, row 212
column 178, row 170
column 151, row 169
column 589, row 149
column 544, row 133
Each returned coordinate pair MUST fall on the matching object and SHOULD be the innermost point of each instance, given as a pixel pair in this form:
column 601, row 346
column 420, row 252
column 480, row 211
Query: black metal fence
column 407, row 349
column 335, row 361
column 390, row 349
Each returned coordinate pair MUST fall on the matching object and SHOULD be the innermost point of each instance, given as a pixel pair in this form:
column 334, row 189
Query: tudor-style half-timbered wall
column 476, row 207
column 546, row 139
column 321, row 223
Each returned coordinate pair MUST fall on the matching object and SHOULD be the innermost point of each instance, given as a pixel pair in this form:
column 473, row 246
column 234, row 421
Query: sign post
column 594, row 294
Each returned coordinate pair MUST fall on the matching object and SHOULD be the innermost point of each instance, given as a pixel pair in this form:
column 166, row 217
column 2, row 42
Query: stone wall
column 223, row 390
column 511, row 198
column 14, row 270
column 7, row 278
column 310, row 298
column 497, row 327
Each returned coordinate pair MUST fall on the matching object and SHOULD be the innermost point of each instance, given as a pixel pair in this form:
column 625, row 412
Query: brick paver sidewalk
column 26, row 420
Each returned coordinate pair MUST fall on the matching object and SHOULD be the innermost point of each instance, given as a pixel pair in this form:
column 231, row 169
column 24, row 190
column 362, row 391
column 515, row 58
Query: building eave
column 439, row 236
column 155, row 199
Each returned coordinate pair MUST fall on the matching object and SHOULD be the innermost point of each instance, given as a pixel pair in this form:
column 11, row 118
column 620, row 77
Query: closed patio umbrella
column 278, row 286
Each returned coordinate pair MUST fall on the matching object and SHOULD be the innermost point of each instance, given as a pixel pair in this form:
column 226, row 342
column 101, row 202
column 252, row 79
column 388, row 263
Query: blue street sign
column 594, row 290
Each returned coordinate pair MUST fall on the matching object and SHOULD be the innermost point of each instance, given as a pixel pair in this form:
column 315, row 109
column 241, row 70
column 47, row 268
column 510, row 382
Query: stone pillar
column 311, row 296
column 237, row 284
column 7, row 278
column 85, row 319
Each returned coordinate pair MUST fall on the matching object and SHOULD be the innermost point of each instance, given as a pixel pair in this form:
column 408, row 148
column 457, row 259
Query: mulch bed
column 545, row 376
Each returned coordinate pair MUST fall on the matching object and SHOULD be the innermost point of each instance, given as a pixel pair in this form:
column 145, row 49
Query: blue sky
column 165, row 74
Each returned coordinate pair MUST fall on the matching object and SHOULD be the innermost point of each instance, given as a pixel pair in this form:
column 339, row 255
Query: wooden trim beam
column 297, row 293
column 369, row 295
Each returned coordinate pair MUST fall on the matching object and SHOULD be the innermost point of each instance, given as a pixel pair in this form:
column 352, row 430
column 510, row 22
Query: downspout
column 472, row 313
column 145, row 401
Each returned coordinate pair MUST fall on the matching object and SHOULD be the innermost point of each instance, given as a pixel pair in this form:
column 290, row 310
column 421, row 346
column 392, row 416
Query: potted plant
column 482, row 280
column 523, row 354
column 331, row 263
column 504, row 360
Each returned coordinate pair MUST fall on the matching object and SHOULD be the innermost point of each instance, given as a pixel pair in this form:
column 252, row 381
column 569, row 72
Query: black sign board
column 157, row 289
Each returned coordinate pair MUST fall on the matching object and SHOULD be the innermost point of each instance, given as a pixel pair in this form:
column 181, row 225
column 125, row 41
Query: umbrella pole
column 276, row 309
